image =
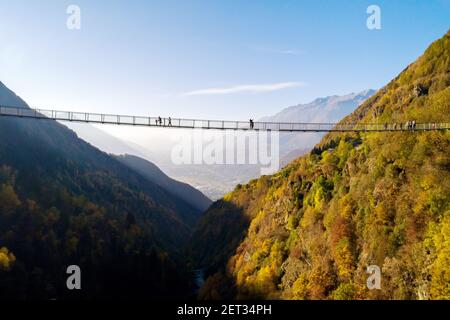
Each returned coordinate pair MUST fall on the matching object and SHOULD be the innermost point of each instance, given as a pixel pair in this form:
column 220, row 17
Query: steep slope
column 103, row 140
column 64, row 202
column 180, row 190
column 9, row 98
column 311, row 230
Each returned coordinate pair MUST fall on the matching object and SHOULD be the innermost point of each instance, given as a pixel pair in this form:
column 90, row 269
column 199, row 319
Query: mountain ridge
column 328, row 103
column 182, row 190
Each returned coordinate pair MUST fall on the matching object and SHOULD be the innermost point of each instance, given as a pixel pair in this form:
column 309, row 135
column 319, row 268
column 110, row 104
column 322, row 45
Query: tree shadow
column 215, row 239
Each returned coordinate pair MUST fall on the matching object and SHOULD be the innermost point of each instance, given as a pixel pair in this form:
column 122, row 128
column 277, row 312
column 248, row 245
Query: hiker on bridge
column 159, row 121
column 170, row 122
column 252, row 124
column 411, row 125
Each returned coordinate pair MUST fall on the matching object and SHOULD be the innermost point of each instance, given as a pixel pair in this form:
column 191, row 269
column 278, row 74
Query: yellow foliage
column 344, row 259
column 7, row 259
column 300, row 288
column 345, row 291
column 439, row 242
column 440, row 284
column 9, row 200
column 309, row 217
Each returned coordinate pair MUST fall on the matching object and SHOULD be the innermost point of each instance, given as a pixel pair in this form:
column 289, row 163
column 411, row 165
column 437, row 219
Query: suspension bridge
column 129, row 120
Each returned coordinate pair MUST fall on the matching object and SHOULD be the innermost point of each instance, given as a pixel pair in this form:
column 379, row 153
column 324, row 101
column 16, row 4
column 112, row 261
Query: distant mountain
column 180, row 190
column 291, row 156
column 63, row 202
column 9, row 98
column 329, row 109
column 356, row 200
column 103, row 140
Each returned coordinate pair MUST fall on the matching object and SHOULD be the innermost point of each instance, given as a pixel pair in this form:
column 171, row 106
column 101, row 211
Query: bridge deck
column 211, row 124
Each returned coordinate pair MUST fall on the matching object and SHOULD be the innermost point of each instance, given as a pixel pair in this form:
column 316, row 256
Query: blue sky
column 207, row 59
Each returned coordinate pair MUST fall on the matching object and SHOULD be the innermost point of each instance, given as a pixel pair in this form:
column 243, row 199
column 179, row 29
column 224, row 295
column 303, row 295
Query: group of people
column 159, row 121
column 410, row 125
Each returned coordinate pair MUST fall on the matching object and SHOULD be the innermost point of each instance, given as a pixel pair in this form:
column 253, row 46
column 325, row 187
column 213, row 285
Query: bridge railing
column 210, row 124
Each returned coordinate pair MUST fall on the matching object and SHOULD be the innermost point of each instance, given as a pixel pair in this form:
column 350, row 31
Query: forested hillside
column 311, row 230
column 64, row 202
column 180, row 190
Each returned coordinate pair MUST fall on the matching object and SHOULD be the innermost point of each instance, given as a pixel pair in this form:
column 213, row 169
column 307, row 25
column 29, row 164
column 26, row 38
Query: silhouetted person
column 159, row 120
column 170, row 121
column 252, row 124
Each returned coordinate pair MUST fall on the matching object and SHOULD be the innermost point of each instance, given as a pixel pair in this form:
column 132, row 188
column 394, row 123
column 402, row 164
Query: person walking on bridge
column 252, row 124
column 170, row 122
